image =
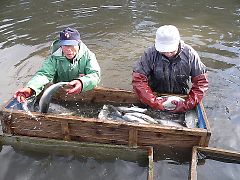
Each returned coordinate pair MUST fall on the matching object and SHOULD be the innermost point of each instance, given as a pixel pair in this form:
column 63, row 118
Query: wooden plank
column 166, row 139
column 6, row 121
column 133, row 137
column 220, row 152
column 100, row 94
column 98, row 132
column 104, row 131
column 193, row 165
column 65, row 131
column 150, row 162
column 77, row 119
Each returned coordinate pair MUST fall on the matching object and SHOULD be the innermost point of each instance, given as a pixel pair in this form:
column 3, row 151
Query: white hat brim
column 166, row 47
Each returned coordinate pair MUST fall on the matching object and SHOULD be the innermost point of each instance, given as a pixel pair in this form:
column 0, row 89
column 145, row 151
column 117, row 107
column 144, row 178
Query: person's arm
column 199, row 87
column 144, row 92
column 43, row 76
column 141, row 71
column 92, row 73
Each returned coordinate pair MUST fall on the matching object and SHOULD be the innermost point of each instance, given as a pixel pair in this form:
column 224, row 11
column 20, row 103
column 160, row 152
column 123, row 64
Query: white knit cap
column 167, row 38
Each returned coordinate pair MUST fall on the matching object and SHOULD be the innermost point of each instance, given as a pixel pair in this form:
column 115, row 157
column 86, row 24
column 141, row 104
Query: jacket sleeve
column 92, row 73
column 199, row 80
column 43, row 76
column 144, row 92
column 199, row 87
column 141, row 71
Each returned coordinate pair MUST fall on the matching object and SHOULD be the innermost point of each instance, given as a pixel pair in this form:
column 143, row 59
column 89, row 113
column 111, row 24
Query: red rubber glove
column 22, row 94
column 144, row 92
column 180, row 107
column 199, row 87
column 77, row 87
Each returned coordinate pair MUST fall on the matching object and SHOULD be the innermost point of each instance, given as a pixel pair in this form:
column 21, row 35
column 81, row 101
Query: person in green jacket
column 70, row 61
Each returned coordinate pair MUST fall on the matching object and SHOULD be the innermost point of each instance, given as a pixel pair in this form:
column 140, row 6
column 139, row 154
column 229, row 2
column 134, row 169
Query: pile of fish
column 132, row 114
column 136, row 114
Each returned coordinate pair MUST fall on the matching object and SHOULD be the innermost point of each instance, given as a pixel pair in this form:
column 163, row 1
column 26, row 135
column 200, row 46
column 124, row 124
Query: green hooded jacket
column 57, row 68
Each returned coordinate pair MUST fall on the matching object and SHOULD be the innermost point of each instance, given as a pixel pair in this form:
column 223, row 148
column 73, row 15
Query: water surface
column 118, row 32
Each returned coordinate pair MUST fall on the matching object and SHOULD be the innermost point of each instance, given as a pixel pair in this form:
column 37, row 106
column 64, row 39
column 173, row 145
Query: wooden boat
column 94, row 130
column 219, row 157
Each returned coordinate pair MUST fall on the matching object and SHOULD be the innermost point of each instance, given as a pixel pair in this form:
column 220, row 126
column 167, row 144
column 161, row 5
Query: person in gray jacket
column 167, row 67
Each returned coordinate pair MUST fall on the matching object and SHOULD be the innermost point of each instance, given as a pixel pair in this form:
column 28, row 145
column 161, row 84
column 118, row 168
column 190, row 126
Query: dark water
column 21, row 165
column 213, row 169
column 118, row 32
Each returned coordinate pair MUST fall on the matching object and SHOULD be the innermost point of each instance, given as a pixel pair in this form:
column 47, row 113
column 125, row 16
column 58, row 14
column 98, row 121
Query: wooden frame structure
column 211, row 152
column 76, row 128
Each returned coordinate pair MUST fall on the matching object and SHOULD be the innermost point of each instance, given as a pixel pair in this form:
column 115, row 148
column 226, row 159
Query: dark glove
column 22, row 94
column 199, row 87
column 144, row 92
column 76, row 87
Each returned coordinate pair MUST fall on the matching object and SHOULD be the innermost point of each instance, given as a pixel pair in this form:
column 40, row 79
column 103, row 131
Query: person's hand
column 159, row 101
column 22, row 94
column 77, row 87
column 180, row 107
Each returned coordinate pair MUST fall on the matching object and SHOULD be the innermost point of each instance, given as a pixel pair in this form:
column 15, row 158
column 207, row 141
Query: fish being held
column 168, row 105
column 47, row 96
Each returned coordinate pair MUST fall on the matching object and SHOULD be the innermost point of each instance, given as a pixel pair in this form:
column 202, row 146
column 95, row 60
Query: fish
column 191, row 119
column 144, row 117
column 26, row 109
column 47, row 96
column 60, row 110
column 169, row 123
column 168, row 105
column 111, row 112
column 131, row 109
column 121, row 113
column 132, row 118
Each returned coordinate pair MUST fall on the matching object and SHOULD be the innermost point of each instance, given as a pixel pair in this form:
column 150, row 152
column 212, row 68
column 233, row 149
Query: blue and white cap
column 69, row 36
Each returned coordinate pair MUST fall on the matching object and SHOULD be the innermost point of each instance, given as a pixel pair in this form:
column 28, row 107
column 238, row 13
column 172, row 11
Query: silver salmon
column 169, row 123
column 131, row 118
column 144, row 117
column 47, row 96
